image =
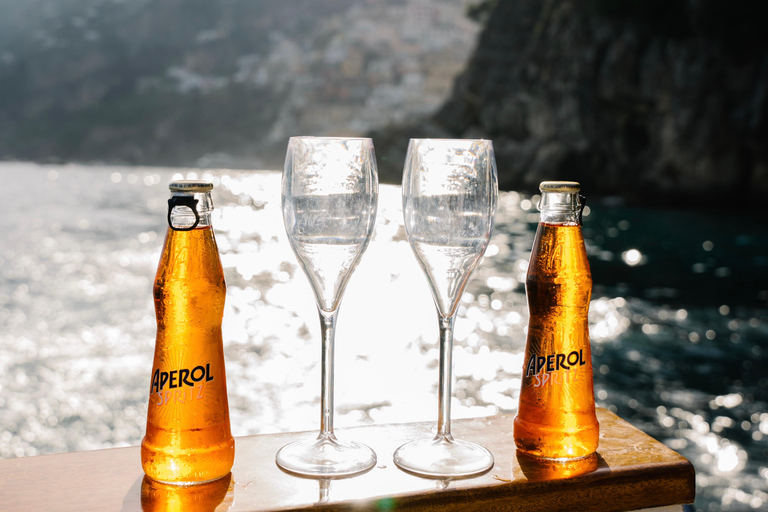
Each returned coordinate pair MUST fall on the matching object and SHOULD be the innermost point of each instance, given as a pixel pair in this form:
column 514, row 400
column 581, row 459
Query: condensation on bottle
column 556, row 414
column 188, row 438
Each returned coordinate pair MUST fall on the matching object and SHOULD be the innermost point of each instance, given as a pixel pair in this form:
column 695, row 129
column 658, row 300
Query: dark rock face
column 658, row 102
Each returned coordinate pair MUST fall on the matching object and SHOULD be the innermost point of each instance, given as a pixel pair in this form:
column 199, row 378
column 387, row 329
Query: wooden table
column 631, row 471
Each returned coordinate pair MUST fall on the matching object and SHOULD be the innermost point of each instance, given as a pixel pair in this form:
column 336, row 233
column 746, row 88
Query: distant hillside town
column 191, row 82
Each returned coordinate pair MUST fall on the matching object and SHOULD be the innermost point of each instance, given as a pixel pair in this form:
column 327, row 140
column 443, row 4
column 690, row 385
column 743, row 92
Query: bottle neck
column 560, row 208
column 189, row 210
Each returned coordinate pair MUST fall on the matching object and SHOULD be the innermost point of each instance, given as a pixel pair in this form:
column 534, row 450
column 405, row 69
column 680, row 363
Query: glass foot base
column 443, row 457
column 325, row 456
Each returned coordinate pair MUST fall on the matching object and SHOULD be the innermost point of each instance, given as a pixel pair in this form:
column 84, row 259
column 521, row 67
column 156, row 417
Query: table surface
column 630, row 471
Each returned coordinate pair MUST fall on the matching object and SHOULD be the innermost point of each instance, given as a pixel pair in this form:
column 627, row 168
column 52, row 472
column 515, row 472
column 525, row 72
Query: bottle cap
column 190, row 186
column 559, row 186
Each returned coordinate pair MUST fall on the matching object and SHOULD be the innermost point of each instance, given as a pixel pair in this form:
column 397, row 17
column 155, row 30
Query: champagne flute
column 449, row 200
column 329, row 197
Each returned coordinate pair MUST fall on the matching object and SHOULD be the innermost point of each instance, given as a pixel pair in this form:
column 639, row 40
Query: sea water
column 678, row 320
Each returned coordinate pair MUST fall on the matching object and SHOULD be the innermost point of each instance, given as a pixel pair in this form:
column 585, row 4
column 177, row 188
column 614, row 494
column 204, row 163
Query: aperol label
column 180, row 378
column 554, row 362
column 186, row 387
column 179, row 396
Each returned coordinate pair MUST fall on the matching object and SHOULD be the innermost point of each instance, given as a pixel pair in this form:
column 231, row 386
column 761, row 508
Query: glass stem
column 327, row 331
column 444, row 384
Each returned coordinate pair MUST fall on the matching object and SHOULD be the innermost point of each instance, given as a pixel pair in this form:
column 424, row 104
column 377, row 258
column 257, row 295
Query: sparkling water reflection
column 678, row 321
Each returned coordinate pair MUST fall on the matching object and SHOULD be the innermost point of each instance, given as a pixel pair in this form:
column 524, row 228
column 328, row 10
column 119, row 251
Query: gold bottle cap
column 190, row 186
column 559, row 186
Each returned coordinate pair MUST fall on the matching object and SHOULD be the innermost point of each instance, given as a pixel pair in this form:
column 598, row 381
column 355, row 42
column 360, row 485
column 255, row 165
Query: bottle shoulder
column 190, row 255
column 559, row 250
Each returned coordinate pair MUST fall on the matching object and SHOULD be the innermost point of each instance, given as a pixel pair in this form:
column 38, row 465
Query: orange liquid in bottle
column 556, row 417
column 188, row 438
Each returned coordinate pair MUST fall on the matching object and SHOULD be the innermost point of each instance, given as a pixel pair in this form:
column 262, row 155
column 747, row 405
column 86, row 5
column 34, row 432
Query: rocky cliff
column 659, row 102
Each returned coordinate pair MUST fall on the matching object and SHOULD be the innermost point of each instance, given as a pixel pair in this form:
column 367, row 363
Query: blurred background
column 659, row 109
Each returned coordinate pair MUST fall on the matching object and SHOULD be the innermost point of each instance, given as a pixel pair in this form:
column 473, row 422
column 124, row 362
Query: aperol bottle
column 188, row 438
column 556, row 416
